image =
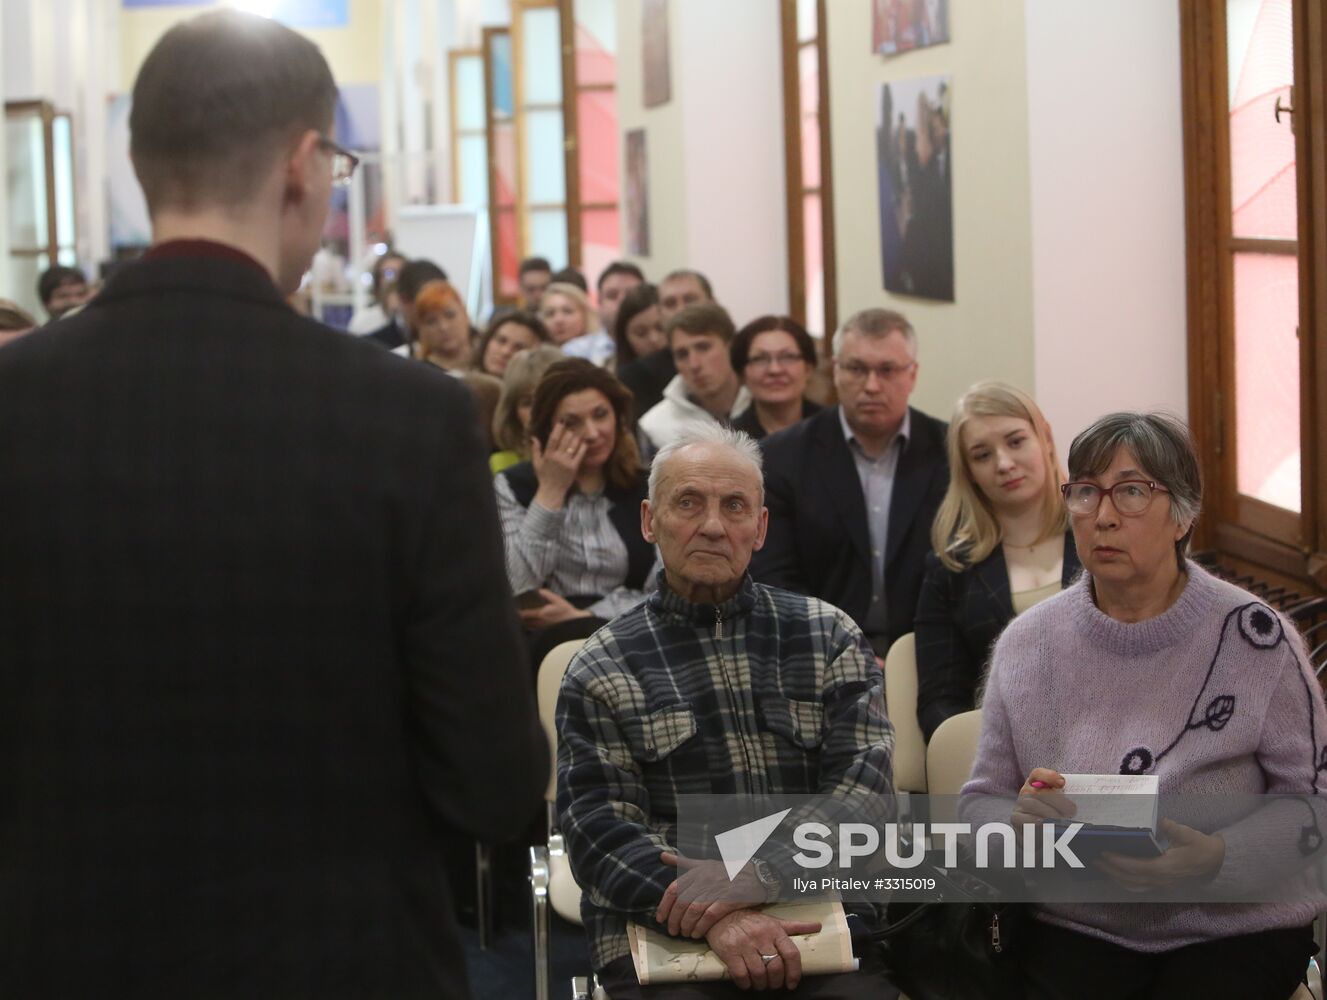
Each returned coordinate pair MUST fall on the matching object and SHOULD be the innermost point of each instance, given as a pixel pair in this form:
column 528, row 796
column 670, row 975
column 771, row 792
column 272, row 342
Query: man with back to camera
column 705, row 389
column 249, row 569
column 647, row 377
column 852, row 490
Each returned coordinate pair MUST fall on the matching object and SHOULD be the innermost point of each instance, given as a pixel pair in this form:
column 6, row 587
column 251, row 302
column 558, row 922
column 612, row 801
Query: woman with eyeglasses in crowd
column 774, row 356
column 1149, row 665
column 1000, row 542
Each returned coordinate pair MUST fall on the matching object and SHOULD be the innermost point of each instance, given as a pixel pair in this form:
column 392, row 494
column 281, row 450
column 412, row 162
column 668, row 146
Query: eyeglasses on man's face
column 344, row 161
column 1130, row 497
column 858, row 371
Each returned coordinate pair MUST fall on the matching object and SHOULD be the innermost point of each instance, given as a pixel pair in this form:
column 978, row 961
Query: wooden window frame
column 454, row 56
column 795, row 190
column 571, row 92
column 519, row 108
column 47, row 113
column 1238, row 526
column 495, row 210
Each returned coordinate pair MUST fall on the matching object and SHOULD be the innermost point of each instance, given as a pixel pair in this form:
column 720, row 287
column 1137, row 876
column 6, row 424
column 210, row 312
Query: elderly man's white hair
column 738, row 443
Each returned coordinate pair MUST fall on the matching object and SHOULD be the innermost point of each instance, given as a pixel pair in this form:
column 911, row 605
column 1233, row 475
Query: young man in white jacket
column 705, row 388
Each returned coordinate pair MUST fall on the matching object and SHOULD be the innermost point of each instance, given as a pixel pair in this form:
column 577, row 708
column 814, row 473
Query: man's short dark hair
column 703, row 317
column 684, row 272
column 54, row 277
column 215, row 102
column 415, row 275
column 571, row 276
column 618, row 267
column 534, row 264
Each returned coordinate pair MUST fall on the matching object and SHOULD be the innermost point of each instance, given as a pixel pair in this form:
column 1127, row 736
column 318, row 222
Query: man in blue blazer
column 852, row 490
column 257, row 651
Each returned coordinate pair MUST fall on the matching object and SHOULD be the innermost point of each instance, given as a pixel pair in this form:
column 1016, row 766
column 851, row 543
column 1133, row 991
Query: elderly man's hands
column 702, row 895
column 746, row 939
column 1191, row 856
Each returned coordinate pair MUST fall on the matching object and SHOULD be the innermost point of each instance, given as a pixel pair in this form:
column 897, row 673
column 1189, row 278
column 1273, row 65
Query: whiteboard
column 455, row 237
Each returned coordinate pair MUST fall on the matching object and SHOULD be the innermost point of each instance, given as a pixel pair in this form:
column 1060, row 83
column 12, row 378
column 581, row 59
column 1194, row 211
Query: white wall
column 1107, row 174
column 729, row 78
column 664, row 142
column 715, row 150
column 987, row 331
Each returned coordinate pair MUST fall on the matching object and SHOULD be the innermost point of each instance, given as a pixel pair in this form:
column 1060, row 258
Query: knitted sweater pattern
column 1213, row 696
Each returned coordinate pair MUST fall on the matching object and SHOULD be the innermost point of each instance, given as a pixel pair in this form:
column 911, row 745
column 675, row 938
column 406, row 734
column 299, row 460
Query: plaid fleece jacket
column 769, row 692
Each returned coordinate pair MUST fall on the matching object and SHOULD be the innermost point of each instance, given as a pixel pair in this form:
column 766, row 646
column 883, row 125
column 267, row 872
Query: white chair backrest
column 951, row 752
column 901, row 704
column 547, row 685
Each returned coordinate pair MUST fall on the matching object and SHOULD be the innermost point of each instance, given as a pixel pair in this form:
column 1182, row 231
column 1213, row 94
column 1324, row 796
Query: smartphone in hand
column 528, row 600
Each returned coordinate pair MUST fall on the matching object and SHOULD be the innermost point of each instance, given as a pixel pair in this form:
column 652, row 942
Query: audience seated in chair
column 442, row 328
column 854, row 489
column 1150, row 665
column 508, row 334
column 637, row 328
column 571, row 514
column 399, row 330
column 649, row 374
column 511, row 421
column 774, row 356
column 705, row 389
column 1001, row 544
column 615, row 282
column 619, row 770
column 573, row 325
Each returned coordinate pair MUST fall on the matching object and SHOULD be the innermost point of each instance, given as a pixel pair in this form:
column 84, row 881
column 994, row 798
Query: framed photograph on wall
column 902, row 25
column 637, row 195
column 658, row 87
column 916, row 187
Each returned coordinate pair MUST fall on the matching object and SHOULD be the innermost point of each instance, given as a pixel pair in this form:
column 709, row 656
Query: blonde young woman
column 1001, row 543
column 511, row 421
column 573, row 324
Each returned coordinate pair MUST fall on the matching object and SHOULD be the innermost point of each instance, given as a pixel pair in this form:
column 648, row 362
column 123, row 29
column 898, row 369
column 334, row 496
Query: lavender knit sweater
column 1213, row 697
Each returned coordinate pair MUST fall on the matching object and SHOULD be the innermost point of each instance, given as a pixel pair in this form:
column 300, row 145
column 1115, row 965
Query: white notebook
column 1128, row 800
column 662, row 959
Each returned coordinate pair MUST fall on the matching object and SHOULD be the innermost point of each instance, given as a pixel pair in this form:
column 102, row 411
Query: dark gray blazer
column 257, row 651
column 819, row 542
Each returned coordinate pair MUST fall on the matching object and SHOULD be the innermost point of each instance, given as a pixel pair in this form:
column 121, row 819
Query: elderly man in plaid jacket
column 714, row 685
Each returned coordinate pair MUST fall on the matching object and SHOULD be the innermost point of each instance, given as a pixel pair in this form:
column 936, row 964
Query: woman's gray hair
column 1165, row 452
column 738, row 443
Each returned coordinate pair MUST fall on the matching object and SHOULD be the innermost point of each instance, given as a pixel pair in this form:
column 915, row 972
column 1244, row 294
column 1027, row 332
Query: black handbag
column 962, row 946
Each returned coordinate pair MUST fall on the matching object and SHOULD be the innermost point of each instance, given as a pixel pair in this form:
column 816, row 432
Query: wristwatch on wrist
column 768, row 879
